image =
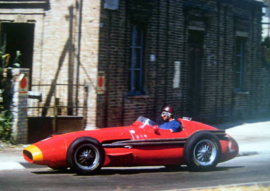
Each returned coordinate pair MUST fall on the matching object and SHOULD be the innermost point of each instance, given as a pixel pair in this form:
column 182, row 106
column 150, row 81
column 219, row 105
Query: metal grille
column 57, row 99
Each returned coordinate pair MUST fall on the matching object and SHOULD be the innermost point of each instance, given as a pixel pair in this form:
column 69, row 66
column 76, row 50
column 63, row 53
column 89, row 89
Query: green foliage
column 6, row 127
column 6, row 117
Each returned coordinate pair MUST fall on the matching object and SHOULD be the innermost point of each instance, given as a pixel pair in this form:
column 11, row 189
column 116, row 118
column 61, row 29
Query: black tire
column 85, row 156
column 202, row 151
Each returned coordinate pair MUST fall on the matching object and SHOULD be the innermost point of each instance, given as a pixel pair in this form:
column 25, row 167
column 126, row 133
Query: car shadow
column 110, row 171
column 135, row 170
column 138, row 170
column 223, row 168
column 30, row 165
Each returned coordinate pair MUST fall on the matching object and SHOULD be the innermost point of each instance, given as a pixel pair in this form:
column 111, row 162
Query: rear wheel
column 85, row 156
column 202, row 151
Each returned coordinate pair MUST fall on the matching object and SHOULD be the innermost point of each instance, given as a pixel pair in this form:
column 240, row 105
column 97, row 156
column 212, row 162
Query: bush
column 6, row 94
column 6, row 127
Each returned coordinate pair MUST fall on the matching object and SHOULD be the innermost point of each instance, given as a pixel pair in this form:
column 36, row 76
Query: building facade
column 201, row 56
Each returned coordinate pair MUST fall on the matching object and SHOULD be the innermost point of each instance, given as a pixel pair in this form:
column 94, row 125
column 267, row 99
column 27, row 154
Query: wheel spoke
column 81, row 159
column 87, row 156
column 205, row 152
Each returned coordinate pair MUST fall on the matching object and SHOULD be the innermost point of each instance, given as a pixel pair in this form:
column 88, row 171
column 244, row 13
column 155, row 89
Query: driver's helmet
column 167, row 111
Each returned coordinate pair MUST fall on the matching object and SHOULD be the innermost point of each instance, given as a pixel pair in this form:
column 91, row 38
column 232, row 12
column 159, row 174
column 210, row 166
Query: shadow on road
column 30, row 165
column 131, row 171
column 224, row 168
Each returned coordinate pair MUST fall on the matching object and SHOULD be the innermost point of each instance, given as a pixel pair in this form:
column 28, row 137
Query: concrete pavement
column 253, row 137
column 11, row 157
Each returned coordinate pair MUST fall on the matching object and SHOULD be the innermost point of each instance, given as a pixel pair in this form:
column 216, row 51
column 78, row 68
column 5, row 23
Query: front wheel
column 202, row 151
column 85, row 156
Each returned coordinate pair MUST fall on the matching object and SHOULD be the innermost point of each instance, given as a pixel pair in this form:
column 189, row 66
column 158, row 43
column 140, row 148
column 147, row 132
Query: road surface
column 242, row 170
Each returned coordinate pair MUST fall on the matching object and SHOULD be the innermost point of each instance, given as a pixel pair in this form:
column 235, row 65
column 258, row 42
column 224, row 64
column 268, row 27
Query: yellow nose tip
column 33, row 154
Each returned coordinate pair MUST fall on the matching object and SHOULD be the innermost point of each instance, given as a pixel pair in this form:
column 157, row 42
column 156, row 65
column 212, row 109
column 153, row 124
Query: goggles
column 164, row 113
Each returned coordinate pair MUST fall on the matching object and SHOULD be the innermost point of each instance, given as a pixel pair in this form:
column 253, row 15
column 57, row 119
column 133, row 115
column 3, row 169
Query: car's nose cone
column 32, row 154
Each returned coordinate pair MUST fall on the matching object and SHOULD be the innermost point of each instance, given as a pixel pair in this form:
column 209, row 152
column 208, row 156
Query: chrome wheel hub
column 205, row 152
column 87, row 157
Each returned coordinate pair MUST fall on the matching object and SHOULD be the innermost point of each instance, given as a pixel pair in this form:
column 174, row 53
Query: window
column 240, row 63
column 136, row 61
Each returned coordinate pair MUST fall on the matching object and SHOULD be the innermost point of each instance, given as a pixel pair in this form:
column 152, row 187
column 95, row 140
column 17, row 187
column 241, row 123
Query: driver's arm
column 175, row 127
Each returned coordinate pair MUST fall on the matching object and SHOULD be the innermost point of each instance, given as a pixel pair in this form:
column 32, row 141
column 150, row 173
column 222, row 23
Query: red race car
column 197, row 145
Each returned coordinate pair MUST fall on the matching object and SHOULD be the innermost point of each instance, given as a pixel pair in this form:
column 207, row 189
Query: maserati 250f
column 197, row 145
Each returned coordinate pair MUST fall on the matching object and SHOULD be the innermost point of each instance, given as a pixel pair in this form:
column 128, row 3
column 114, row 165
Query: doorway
column 19, row 37
column 195, row 59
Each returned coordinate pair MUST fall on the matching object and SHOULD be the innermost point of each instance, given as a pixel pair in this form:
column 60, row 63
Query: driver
column 170, row 123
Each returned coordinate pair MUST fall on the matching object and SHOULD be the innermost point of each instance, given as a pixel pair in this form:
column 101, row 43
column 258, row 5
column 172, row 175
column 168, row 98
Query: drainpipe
column 78, row 53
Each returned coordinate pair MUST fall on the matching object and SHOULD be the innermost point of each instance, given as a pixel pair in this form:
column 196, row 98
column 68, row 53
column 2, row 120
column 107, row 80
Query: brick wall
column 66, row 38
column 19, row 106
column 167, row 34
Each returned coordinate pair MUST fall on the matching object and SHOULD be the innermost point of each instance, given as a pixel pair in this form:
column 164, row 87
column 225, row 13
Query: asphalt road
column 242, row 170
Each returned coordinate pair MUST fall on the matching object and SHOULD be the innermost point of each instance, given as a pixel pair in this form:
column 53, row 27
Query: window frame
column 136, row 86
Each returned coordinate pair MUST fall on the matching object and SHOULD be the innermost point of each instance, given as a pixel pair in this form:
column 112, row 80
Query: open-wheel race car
column 197, row 145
